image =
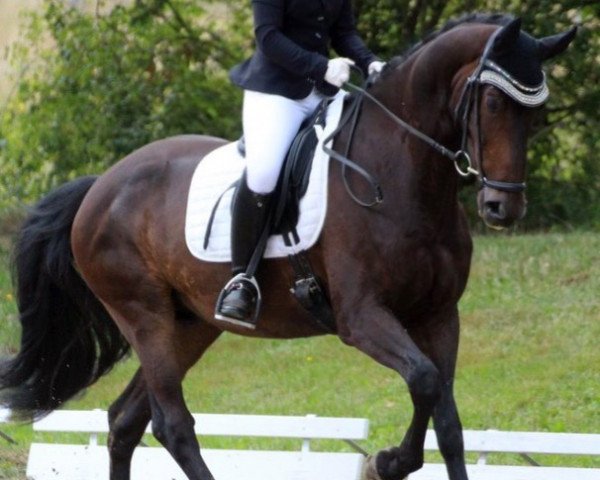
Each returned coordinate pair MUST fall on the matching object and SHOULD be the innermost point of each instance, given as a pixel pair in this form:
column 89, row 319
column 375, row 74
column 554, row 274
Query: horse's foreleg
column 449, row 433
column 438, row 338
column 374, row 330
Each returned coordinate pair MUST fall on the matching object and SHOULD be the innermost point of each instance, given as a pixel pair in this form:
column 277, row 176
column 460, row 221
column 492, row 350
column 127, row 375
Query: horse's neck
column 412, row 164
column 420, row 92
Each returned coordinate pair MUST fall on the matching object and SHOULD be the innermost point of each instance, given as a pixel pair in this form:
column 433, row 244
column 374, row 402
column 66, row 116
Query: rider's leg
column 249, row 218
column 270, row 125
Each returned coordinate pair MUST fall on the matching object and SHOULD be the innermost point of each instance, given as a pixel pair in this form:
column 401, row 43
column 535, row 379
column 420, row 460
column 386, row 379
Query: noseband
column 486, row 72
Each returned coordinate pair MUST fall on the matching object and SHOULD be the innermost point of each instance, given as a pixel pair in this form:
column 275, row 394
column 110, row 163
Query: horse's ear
column 555, row 44
column 507, row 36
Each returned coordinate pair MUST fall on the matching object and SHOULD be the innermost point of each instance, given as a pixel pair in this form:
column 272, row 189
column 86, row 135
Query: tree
column 101, row 86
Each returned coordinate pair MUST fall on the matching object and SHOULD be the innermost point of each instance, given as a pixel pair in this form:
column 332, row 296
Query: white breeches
column 270, row 125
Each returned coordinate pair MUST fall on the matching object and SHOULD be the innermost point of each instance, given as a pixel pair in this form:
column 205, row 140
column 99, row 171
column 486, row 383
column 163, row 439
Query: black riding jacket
column 292, row 46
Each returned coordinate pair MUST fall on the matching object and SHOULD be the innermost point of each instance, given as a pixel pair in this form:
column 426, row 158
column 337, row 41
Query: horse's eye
column 493, row 103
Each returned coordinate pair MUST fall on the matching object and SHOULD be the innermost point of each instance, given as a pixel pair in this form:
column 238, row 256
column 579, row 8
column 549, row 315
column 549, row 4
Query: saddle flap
column 295, row 174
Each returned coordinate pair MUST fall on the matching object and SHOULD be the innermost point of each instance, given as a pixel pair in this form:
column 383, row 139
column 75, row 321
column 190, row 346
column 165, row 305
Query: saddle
column 294, row 176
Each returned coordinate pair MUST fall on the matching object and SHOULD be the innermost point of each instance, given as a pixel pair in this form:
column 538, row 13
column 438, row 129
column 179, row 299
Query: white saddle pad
column 220, row 168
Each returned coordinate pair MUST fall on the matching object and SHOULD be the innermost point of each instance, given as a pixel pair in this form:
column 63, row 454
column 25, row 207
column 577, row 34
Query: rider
column 284, row 81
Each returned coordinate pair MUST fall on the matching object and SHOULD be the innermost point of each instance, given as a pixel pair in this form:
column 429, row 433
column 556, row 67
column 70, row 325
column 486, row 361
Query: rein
column 352, row 115
column 461, row 158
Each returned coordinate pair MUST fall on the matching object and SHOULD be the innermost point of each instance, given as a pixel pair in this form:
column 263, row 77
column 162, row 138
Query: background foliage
column 98, row 86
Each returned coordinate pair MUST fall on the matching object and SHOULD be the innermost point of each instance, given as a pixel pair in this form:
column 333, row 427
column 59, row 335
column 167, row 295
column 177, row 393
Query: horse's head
column 495, row 106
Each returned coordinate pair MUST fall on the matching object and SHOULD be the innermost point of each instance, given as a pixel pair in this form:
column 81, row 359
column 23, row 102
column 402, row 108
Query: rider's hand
column 375, row 67
column 338, row 71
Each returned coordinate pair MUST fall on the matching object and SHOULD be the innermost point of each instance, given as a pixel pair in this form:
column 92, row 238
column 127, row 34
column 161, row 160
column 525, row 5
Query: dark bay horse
column 102, row 264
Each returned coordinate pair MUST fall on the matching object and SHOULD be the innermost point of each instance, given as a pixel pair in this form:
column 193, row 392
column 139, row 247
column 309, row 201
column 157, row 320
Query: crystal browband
column 495, row 75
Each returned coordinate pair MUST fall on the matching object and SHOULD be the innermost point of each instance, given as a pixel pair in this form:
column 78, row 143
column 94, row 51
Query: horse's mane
column 500, row 19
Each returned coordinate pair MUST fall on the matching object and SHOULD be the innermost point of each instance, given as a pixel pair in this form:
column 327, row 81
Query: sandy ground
column 10, row 11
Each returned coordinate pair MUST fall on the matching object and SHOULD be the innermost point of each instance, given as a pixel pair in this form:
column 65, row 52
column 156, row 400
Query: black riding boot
column 238, row 301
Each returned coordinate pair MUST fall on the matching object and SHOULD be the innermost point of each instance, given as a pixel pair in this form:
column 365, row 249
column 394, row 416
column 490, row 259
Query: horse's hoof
column 370, row 469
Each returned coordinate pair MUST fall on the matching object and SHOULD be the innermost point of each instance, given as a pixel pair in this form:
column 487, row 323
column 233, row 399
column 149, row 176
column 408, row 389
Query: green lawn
column 529, row 357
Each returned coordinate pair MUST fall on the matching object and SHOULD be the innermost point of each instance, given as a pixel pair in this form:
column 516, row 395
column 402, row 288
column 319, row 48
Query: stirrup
column 239, row 278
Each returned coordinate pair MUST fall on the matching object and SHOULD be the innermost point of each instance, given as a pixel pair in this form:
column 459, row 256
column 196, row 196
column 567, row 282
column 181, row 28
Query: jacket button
column 318, row 35
column 321, row 18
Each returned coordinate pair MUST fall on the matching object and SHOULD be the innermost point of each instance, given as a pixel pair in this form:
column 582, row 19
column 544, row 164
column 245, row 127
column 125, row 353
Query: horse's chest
column 431, row 276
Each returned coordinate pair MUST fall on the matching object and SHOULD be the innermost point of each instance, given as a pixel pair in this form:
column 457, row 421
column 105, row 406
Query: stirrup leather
column 246, row 280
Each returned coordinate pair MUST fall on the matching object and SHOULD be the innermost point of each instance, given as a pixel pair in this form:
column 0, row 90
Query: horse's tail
column 68, row 339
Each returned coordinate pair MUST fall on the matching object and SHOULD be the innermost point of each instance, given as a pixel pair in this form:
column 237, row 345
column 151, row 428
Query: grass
column 528, row 359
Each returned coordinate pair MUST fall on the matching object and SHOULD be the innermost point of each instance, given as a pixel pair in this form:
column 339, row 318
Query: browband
column 495, row 75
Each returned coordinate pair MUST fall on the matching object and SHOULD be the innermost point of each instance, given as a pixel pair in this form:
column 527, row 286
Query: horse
column 102, row 266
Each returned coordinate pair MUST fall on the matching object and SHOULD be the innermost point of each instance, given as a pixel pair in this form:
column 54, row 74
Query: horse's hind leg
column 127, row 418
column 130, row 413
column 166, row 349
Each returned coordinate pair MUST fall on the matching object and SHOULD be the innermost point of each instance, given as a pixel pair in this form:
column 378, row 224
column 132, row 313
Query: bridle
column 486, row 72
column 470, row 97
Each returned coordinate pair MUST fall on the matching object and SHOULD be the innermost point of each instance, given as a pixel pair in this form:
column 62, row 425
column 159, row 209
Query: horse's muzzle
column 500, row 209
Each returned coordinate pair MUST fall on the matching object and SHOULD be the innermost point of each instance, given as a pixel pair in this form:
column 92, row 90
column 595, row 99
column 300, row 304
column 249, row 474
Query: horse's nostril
column 495, row 209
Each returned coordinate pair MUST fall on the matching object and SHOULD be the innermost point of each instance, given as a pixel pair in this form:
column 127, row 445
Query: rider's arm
column 268, row 24
column 346, row 41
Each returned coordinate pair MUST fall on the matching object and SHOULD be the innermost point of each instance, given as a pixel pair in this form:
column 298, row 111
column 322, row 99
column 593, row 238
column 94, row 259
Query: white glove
column 338, row 71
column 375, row 67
